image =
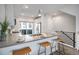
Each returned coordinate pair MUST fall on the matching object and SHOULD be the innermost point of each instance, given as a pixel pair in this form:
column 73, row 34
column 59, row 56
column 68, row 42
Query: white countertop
column 6, row 48
column 12, row 43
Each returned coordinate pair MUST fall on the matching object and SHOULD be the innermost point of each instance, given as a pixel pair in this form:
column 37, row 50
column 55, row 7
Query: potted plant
column 4, row 27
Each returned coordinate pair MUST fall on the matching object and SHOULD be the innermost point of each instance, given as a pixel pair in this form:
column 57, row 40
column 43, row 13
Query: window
column 29, row 31
column 23, row 32
column 30, row 28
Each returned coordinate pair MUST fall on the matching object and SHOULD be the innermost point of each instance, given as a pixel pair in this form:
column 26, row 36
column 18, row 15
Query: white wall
column 2, row 12
column 9, row 13
column 62, row 22
column 74, row 10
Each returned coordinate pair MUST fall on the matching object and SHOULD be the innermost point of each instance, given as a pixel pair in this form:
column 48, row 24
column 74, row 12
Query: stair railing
column 72, row 39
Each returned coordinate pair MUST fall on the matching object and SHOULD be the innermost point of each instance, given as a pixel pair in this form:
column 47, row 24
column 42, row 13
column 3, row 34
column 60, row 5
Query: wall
column 74, row 10
column 62, row 22
column 9, row 13
column 2, row 12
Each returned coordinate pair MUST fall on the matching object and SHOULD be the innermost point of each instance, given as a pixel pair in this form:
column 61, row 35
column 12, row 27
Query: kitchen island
column 6, row 48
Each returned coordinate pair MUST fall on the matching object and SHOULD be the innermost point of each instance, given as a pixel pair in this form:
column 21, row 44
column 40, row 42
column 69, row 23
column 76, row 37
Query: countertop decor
column 4, row 28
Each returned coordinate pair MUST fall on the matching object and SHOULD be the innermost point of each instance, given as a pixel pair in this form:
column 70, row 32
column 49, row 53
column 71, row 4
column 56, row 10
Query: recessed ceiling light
column 26, row 6
column 39, row 14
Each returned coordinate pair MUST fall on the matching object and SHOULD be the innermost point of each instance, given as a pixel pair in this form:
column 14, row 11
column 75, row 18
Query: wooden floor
column 65, row 50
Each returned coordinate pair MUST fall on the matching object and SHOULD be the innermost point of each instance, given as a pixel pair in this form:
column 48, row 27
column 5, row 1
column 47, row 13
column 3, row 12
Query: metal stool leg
column 39, row 50
column 51, row 48
column 45, row 50
column 59, row 48
column 55, row 46
column 44, row 45
column 63, row 50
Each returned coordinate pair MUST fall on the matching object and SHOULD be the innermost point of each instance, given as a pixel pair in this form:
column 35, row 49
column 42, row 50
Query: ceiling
column 33, row 9
column 19, row 9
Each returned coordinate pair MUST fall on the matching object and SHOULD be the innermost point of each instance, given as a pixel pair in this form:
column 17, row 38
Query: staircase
column 66, row 49
column 68, row 37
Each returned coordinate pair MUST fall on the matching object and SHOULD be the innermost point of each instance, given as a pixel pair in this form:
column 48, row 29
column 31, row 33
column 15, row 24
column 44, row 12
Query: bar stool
column 60, row 46
column 23, row 51
column 60, row 40
column 44, row 45
column 53, row 45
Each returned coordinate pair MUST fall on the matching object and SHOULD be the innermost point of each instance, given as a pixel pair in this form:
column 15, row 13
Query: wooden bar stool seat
column 44, row 45
column 22, row 51
column 60, row 46
column 60, row 40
